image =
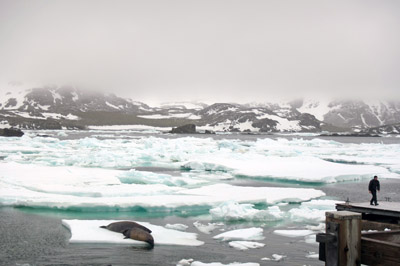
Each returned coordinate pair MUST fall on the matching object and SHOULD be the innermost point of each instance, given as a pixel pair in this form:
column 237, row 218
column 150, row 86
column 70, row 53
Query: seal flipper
column 126, row 233
column 103, row 226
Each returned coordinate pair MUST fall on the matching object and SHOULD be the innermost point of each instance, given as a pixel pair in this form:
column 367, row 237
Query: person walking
column 372, row 188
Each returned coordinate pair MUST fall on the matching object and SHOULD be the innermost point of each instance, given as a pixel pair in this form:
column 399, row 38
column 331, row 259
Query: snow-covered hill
column 57, row 107
column 353, row 114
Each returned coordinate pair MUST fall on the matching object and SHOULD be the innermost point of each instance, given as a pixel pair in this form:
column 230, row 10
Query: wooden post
column 348, row 227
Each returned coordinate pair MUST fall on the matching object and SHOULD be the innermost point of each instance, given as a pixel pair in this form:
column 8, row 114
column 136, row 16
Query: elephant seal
column 138, row 234
column 120, row 227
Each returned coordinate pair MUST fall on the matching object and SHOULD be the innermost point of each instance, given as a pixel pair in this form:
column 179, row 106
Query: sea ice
column 252, row 233
column 179, row 227
column 298, row 168
column 233, row 210
column 312, row 255
column 184, row 262
column 206, row 228
column 313, row 211
column 293, row 233
column 300, row 160
column 198, row 263
column 275, row 257
column 278, row 257
column 89, row 231
column 244, row 245
column 75, row 187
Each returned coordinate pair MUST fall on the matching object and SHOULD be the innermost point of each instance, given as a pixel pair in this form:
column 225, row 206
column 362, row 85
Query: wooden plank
column 377, row 252
column 370, row 225
column 389, row 237
column 385, row 208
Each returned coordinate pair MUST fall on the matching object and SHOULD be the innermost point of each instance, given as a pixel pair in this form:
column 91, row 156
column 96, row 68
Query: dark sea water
column 34, row 237
column 37, row 236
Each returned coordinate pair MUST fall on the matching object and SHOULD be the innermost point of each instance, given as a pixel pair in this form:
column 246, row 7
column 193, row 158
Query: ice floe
column 75, row 187
column 198, row 263
column 313, row 211
column 179, row 227
column 244, row 245
column 275, row 257
column 89, row 231
column 297, row 160
column 293, row 233
column 252, row 233
column 233, row 210
column 296, row 168
column 206, row 228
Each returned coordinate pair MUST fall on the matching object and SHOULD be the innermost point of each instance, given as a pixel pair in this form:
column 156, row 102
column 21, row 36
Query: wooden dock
column 359, row 233
column 386, row 211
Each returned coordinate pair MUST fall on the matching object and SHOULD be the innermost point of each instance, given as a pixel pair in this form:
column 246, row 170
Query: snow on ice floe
column 253, row 233
column 232, row 210
column 275, row 257
column 75, row 187
column 293, row 233
column 89, row 231
column 244, row 245
column 191, row 262
column 296, row 168
column 206, row 228
column 179, row 227
column 313, row 211
column 199, row 263
column 297, row 160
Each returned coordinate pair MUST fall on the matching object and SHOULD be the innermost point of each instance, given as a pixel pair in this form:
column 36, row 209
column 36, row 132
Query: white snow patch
column 293, row 233
column 112, row 106
column 232, row 210
column 283, row 123
column 198, row 263
column 181, row 115
column 89, row 231
column 179, row 227
column 130, row 127
column 184, row 262
column 206, row 228
column 244, row 245
column 312, row 255
column 252, row 233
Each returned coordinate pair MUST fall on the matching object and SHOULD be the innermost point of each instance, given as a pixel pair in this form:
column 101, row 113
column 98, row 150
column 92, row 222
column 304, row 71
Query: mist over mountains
column 57, row 107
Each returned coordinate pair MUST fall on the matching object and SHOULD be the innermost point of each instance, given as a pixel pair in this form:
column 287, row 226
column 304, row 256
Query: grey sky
column 217, row 50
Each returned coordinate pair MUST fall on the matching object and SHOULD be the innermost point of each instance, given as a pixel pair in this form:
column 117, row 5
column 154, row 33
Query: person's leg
column 374, row 197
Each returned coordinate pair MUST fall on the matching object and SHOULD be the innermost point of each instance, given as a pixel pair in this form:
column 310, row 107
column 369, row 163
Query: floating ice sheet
column 244, row 245
column 74, row 187
column 293, row 233
column 89, row 231
column 252, row 233
column 198, row 263
column 312, row 211
column 232, row 210
column 300, row 160
column 296, row 168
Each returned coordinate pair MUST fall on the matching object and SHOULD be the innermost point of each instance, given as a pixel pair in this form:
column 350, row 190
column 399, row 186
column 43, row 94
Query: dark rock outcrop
column 11, row 132
column 185, row 129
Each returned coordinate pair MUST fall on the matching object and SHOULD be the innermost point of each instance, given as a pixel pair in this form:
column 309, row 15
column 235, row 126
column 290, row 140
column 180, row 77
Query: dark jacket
column 374, row 185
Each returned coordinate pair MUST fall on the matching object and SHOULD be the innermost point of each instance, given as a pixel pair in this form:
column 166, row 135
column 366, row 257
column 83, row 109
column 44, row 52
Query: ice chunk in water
column 89, row 231
column 253, row 233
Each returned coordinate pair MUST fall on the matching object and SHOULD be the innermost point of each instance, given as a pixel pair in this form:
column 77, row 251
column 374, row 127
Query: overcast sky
column 217, row 50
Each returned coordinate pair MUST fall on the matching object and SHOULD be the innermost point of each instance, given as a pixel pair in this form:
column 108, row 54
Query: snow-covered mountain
column 53, row 107
column 352, row 114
